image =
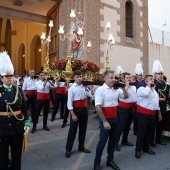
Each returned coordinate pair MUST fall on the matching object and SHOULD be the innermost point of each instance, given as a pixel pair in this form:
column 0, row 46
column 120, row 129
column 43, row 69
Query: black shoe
column 52, row 119
column 96, row 167
column 117, row 148
column 63, row 125
column 161, row 143
column 153, row 145
column 85, row 150
column 138, row 155
column 46, row 128
column 112, row 165
column 68, row 154
column 149, row 152
column 33, row 130
column 9, row 163
column 127, row 143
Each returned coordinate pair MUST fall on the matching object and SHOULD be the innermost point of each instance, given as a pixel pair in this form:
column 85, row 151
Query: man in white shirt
column 147, row 105
column 16, row 77
column 126, row 112
column 43, row 100
column 106, row 102
column 60, row 100
column 30, row 92
column 77, row 104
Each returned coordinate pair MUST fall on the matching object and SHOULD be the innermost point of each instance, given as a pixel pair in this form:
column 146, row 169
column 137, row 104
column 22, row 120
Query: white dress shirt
column 132, row 95
column 77, row 92
column 106, row 96
column 29, row 84
column 40, row 87
column 17, row 79
column 148, row 98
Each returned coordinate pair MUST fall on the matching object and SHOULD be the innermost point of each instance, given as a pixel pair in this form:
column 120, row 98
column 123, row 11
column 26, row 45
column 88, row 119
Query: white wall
column 162, row 53
column 125, row 57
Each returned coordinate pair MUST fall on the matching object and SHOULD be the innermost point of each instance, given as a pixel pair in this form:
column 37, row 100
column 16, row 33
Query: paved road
column 47, row 149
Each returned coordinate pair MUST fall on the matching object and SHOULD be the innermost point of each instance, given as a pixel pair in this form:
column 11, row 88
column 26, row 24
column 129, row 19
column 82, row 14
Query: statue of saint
column 77, row 43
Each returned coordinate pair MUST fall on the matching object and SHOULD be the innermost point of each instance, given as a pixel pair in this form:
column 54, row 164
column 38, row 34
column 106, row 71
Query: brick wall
column 91, row 16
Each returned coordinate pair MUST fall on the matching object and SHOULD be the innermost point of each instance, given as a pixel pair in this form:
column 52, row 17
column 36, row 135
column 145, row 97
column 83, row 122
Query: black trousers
column 66, row 111
column 145, row 128
column 135, row 123
column 159, row 125
column 40, row 105
column 125, row 117
column 15, row 142
column 82, row 115
column 59, row 99
column 32, row 98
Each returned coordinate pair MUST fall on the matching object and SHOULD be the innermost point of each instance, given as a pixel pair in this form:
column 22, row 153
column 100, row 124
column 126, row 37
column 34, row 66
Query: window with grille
column 129, row 19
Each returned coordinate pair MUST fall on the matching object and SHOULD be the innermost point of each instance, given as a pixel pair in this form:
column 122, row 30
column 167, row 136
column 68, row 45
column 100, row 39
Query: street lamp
column 110, row 43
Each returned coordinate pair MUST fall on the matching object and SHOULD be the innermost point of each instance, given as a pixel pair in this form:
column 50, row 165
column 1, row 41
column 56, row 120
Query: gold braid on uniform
column 9, row 107
column 160, row 91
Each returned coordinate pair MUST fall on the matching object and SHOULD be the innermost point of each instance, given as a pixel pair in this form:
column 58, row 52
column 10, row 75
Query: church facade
column 129, row 26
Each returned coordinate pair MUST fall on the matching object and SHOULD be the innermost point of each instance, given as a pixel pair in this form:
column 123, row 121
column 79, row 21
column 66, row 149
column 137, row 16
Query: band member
column 106, row 102
column 119, row 73
column 43, row 100
column 126, row 112
column 13, row 116
column 30, row 92
column 162, row 89
column 60, row 98
column 147, row 105
column 77, row 104
column 139, row 83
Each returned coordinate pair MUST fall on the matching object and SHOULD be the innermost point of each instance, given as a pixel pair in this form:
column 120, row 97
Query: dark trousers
column 51, row 96
column 32, row 101
column 135, row 123
column 15, row 142
column 103, row 137
column 158, row 127
column 59, row 99
column 40, row 105
column 82, row 115
column 125, row 120
column 145, row 128
column 66, row 111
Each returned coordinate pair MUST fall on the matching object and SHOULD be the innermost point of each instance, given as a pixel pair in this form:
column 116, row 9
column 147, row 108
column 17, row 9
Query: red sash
column 109, row 112
column 43, row 96
column 60, row 90
column 127, row 105
column 80, row 103
column 143, row 110
column 31, row 92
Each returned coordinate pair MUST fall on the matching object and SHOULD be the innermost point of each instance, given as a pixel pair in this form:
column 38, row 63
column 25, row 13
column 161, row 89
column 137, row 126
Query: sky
column 159, row 13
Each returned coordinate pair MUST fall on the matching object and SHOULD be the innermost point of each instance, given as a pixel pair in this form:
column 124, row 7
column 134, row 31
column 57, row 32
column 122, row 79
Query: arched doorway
column 8, row 37
column 35, row 54
column 21, row 60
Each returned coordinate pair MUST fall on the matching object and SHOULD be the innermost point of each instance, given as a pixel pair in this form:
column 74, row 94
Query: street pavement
column 46, row 150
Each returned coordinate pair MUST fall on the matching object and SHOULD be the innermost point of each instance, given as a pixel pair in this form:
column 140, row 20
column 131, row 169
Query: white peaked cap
column 139, row 69
column 6, row 67
column 119, row 70
column 157, row 67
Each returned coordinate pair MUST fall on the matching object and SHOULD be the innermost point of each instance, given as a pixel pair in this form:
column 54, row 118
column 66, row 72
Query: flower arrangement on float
column 89, row 69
